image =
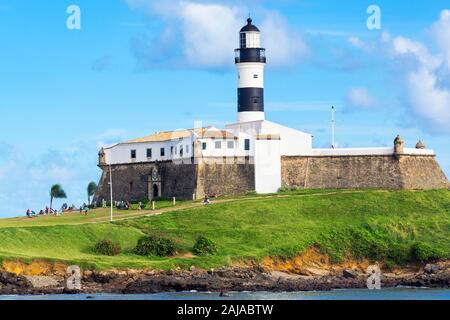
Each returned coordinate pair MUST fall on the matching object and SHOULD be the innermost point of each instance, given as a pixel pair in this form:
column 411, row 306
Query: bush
column 107, row 248
column 204, row 246
column 155, row 246
column 287, row 189
column 421, row 252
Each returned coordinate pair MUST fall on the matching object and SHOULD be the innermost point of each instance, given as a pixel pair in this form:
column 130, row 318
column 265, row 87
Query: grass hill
column 392, row 226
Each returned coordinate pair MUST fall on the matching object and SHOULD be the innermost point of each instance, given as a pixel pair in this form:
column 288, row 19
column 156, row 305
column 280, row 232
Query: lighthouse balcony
column 250, row 55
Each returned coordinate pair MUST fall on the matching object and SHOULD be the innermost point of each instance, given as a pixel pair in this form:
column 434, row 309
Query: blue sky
column 139, row 66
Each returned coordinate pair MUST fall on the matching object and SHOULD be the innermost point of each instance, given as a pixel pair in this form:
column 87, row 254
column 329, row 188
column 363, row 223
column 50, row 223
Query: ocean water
column 347, row 294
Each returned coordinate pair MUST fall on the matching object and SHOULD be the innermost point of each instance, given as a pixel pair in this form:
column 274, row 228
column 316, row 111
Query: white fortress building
column 254, row 154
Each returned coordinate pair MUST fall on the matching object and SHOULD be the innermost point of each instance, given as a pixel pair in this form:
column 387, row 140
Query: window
column 181, row 151
column 218, row 144
column 230, row 144
column 163, row 152
column 204, row 145
column 171, row 150
column 243, row 40
column 133, row 154
column 247, row 144
column 131, row 187
column 255, row 76
column 149, row 153
column 187, row 149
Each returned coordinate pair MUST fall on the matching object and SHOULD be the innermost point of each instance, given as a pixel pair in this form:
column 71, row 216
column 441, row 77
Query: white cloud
column 424, row 72
column 426, row 90
column 405, row 46
column 356, row 42
column 360, row 97
column 441, row 34
column 284, row 45
column 209, row 34
column 428, row 100
column 209, row 41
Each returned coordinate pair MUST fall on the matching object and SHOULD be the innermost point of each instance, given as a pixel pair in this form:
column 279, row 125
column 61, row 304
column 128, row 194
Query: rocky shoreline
column 255, row 278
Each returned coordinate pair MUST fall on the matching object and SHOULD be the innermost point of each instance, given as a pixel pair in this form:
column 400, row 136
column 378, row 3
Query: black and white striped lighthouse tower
column 250, row 61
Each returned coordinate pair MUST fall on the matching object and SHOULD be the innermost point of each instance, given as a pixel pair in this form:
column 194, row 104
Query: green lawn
column 397, row 226
column 93, row 216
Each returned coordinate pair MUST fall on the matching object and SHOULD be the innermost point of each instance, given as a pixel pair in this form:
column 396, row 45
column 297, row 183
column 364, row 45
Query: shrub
column 421, row 252
column 287, row 189
column 107, row 248
column 204, row 246
column 155, row 246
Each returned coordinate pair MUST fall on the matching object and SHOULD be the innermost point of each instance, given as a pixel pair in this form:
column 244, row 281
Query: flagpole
column 333, row 145
column 111, row 192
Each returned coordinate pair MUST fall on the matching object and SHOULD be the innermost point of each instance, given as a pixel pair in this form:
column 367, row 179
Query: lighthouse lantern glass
column 243, row 42
column 253, row 40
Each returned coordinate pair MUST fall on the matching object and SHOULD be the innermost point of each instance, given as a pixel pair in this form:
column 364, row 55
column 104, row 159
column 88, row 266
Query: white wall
column 250, row 116
column 369, row 151
column 353, row 151
column 121, row 153
column 267, row 166
column 237, row 151
column 293, row 142
column 246, row 73
column 423, row 152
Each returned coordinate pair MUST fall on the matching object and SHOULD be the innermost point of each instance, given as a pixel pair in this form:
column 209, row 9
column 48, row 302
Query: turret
column 101, row 157
column 398, row 146
column 420, row 145
column 250, row 61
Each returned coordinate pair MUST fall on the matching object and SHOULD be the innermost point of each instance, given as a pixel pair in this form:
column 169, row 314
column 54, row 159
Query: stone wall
column 133, row 182
column 217, row 179
column 353, row 172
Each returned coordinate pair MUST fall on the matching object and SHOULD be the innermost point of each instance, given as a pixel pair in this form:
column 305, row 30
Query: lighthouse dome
column 250, row 27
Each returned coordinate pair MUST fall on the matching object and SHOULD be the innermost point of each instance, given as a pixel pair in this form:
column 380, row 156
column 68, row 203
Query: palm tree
column 56, row 192
column 91, row 189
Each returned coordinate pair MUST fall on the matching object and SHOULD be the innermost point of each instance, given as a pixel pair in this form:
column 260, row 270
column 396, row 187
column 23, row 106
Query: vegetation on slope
column 396, row 227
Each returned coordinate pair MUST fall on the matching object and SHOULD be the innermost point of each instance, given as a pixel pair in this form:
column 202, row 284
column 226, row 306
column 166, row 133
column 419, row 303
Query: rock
column 7, row 278
column 100, row 277
column 431, row 268
column 71, row 291
column 348, row 273
column 42, row 281
column 192, row 268
column 313, row 272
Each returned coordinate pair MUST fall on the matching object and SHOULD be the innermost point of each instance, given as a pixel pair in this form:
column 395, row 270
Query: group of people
column 45, row 212
column 54, row 212
column 123, row 205
column 120, row 205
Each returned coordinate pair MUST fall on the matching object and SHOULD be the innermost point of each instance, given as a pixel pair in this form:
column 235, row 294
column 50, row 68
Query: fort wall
column 215, row 179
column 136, row 181
column 363, row 172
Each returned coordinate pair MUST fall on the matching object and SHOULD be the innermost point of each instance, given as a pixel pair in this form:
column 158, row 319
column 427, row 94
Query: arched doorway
column 155, row 191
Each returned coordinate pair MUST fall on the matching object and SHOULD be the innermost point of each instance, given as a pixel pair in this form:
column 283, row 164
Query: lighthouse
column 250, row 61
